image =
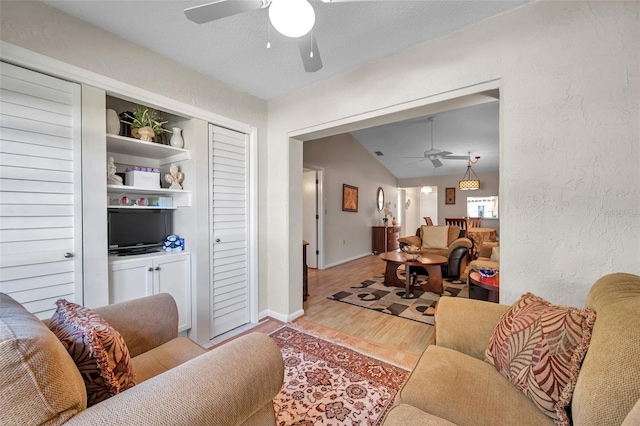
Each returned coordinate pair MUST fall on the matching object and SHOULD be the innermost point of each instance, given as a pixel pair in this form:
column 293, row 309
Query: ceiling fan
column 435, row 155
column 292, row 18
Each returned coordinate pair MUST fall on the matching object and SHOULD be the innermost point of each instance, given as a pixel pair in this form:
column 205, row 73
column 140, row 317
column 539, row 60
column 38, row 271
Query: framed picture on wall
column 349, row 198
column 450, row 196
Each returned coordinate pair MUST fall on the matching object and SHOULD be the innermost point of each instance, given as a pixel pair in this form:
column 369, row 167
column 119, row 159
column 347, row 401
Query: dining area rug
column 329, row 384
column 373, row 294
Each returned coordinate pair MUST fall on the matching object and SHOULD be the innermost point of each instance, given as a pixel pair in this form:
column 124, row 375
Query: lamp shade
column 469, row 185
column 292, row 18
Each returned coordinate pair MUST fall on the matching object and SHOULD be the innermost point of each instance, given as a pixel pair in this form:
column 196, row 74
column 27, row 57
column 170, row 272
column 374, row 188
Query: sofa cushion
column 486, row 248
column 98, row 350
column 495, row 254
column 435, row 237
column 40, row 382
column 539, row 347
column 165, row 357
column 406, row 415
column 466, row 391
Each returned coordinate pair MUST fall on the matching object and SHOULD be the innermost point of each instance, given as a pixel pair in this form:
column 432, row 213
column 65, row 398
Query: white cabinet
column 144, row 275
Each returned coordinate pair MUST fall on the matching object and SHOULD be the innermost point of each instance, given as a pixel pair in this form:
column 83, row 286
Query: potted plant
column 147, row 122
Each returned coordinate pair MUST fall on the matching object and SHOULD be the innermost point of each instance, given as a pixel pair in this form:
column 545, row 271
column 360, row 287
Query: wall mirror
column 380, row 198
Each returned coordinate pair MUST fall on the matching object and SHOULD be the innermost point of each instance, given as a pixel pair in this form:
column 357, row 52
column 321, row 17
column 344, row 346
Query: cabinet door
column 230, row 296
column 130, row 280
column 392, row 238
column 172, row 274
column 378, row 240
column 40, row 189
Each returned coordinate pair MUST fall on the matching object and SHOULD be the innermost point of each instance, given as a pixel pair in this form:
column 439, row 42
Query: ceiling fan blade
column 444, row 153
column 456, row 157
column 220, row 9
column 436, row 162
column 307, row 45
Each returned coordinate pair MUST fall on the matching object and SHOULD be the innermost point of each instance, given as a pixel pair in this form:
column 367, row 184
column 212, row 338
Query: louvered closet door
column 229, row 223
column 40, row 206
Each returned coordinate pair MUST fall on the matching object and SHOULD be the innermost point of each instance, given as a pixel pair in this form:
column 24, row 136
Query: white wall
column 50, row 32
column 569, row 154
column 346, row 161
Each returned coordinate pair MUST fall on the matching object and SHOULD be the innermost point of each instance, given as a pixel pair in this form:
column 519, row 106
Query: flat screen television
column 137, row 231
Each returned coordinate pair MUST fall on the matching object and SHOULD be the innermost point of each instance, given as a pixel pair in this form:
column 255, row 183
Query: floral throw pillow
column 98, row 350
column 539, row 347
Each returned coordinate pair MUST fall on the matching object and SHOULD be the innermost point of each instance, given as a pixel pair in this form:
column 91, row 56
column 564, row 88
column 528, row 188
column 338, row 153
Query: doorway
column 451, row 100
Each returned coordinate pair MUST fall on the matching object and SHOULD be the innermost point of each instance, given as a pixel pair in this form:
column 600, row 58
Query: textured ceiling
column 233, row 50
column 472, row 129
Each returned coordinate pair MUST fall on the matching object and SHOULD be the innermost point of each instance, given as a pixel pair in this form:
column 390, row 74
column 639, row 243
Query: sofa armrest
column 225, row 386
column 144, row 323
column 411, row 240
column 460, row 242
column 466, row 325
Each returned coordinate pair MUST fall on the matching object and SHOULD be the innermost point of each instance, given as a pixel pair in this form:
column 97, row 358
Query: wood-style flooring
column 396, row 340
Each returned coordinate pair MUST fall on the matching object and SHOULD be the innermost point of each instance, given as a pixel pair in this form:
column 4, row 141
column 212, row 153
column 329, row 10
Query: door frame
column 321, row 213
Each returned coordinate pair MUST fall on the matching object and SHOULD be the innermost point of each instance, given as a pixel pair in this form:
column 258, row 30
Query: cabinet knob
column 68, row 255
column 150, row 269
column 157, row 268
column 217, row 240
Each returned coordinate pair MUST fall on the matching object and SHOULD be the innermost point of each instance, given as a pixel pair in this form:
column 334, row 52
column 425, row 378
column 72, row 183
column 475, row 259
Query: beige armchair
column 179, row 382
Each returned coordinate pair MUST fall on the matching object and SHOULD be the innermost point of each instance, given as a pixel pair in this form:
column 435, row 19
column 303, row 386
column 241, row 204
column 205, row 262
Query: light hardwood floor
column 396, row 340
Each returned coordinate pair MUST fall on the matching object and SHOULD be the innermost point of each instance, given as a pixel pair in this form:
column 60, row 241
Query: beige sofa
column 452, row 385
column 179, row 382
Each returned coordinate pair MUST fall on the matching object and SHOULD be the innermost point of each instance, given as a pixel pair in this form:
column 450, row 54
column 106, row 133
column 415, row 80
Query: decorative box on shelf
column 143, row 178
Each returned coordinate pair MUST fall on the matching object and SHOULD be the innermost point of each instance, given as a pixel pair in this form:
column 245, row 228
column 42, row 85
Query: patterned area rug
column 372, row 294
column 328, row 384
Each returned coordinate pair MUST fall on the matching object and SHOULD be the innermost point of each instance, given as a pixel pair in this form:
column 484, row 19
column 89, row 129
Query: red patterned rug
column 328, row 384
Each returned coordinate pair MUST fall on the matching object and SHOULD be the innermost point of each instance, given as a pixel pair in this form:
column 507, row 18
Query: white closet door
column 40, row 189
column 229, row 201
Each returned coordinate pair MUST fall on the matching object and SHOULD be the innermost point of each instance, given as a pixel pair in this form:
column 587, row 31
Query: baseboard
column 340, row 262
column 280, row 317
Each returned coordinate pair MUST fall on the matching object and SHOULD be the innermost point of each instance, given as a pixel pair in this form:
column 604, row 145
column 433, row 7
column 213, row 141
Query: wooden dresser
column 384, row 238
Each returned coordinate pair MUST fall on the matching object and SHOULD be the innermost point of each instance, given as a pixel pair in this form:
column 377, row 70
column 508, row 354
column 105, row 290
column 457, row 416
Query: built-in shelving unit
column 142, row 207
column 130, row 150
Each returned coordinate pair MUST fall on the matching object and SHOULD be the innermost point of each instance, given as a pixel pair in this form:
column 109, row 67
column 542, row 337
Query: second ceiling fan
column 291, row 18
column 435, row 155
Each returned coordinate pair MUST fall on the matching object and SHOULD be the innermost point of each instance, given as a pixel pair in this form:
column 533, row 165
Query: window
column 486, row 207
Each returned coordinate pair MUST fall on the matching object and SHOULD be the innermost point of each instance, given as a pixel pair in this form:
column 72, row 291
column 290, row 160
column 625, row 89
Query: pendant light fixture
column 468, row 184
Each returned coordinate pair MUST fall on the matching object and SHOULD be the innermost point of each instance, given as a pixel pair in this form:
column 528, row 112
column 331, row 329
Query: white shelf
column 141, row 207
column 117, row 189
column 181, row 197
column 137, row 148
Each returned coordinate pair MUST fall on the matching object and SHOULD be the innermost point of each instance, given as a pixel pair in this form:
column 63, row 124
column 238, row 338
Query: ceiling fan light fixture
column 468, row 184
column 292, row 18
